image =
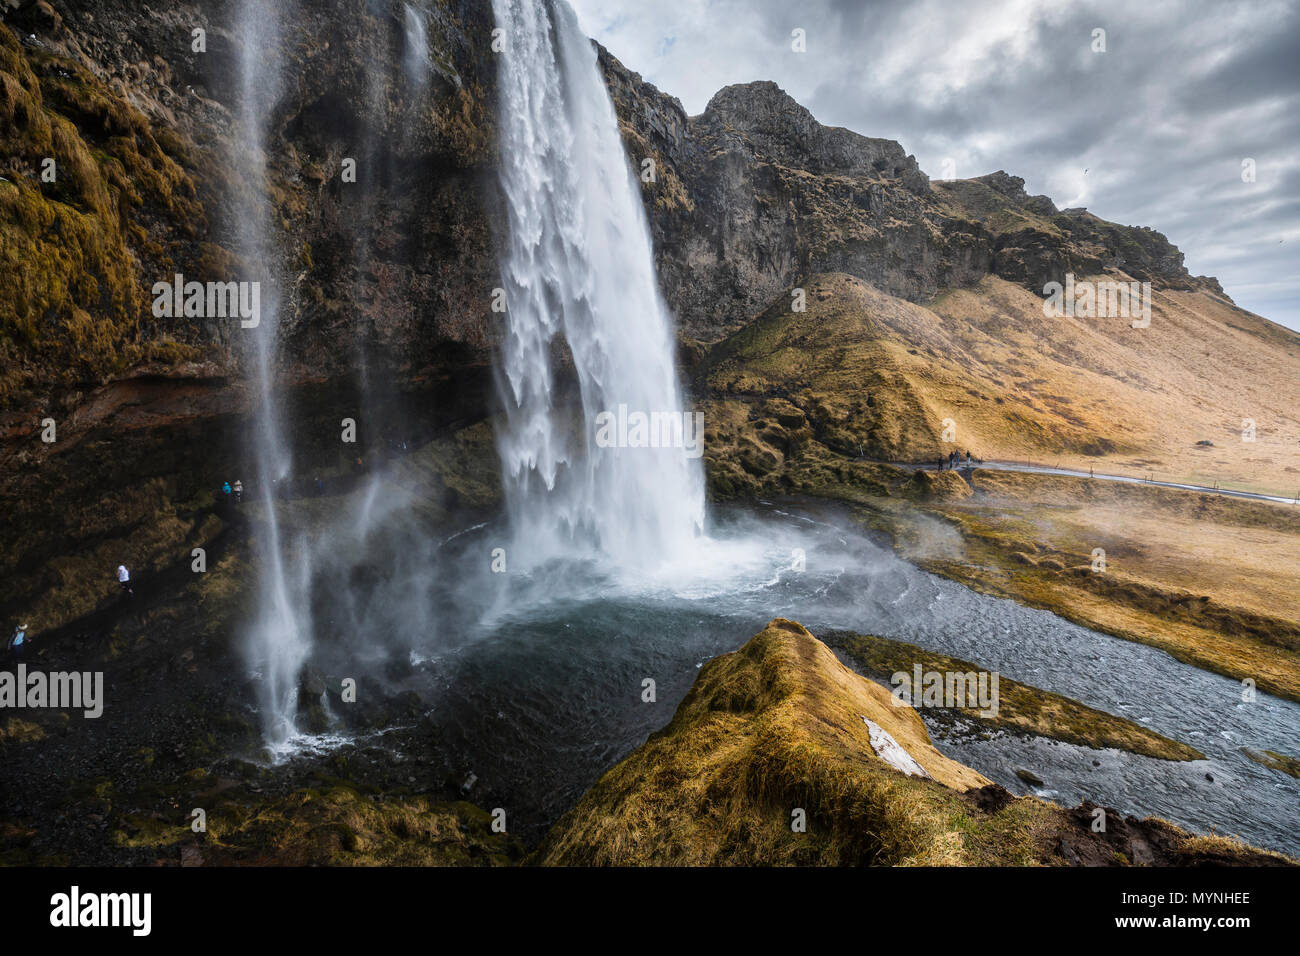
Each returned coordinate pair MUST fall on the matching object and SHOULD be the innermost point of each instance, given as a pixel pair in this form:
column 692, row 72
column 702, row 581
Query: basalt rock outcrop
column 143, row 127
column 754, row 194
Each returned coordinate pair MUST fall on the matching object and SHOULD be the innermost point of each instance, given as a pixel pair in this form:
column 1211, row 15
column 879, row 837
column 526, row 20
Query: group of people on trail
column 954, row 460
column 21, row 638
column 237, row 489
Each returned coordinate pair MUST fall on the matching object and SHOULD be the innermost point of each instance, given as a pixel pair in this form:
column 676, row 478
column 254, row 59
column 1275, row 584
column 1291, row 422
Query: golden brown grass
column 17, row 730
column 775, row 727
column 74, row 252
column 877, row 376
column 1274, row 760
column 334, row 826
column 797, row 399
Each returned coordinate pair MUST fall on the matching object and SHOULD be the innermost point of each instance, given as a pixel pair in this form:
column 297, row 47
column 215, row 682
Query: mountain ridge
column 732, row 186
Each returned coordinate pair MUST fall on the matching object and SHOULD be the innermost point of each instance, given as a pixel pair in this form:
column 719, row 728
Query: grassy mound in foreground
column 774, row 728
column 778, row 727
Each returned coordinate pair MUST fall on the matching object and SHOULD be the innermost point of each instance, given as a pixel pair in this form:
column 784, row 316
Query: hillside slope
column 879, row 377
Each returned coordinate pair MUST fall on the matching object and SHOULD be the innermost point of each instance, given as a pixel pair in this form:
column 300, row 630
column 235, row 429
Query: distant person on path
column 225, row 489
column 18, row 643
column 239, row 491
column 124, row 579
column 320, row 486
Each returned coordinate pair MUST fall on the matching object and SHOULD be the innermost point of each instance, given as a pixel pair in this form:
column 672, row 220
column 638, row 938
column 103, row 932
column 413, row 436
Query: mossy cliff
column 95, row 204
column 778, row 732
column 386, row 282
column 150, row 177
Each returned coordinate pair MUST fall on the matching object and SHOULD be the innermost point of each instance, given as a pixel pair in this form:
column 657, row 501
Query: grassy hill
column 781, row 726
column 878, row 377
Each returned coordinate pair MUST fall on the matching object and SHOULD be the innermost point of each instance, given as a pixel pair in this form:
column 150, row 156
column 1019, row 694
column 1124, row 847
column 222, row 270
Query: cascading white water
column 415, row 60
column 579, row 265
column 278, row 640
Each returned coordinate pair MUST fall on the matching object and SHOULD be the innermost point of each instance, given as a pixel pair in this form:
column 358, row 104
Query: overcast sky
column 1161, row 121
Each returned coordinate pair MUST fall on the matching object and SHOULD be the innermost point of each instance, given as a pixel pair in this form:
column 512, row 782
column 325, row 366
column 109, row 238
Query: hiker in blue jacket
column 18, row 643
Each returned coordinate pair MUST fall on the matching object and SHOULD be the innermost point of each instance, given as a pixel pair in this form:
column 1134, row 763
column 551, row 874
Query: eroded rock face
column 393, row 271
column 754, row 194
column 394, row 274
column 385, row 283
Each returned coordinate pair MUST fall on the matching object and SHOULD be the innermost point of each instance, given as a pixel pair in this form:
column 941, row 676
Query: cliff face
column 395, row 275
column 385, row 283
column 150, row 172
column 754, row 194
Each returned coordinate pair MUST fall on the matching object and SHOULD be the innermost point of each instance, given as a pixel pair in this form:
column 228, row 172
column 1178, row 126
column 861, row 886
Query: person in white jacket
column 124, row 579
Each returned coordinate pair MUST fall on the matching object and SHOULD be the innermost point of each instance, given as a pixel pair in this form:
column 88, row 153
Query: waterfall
column 415, row 60
column 579, row 267
column 278, row 640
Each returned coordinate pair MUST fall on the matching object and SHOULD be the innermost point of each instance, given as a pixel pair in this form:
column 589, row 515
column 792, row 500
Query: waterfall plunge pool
column 534, row 677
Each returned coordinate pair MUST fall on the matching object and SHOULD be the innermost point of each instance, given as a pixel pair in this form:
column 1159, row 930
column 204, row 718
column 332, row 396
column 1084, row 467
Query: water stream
column 534, row 667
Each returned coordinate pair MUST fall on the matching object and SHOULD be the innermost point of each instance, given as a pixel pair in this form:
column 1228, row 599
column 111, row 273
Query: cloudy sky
column 1151, row 132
